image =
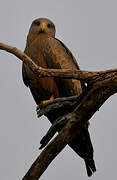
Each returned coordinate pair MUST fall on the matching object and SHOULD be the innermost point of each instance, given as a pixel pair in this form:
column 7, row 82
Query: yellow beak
column 43, row 26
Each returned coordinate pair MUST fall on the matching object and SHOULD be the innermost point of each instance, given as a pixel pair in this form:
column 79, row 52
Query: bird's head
column 41, row 26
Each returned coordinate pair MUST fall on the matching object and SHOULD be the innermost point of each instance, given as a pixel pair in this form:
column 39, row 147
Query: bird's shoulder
column 54, row 49
column 59, row 48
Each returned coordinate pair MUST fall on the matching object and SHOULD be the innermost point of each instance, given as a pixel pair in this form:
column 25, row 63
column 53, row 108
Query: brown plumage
column 48, row 52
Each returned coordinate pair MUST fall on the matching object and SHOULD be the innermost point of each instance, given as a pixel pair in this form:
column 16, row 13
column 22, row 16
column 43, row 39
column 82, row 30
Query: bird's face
column 42, row 26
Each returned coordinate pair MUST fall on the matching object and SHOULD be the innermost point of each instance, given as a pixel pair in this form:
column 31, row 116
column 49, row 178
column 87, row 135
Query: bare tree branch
column 101, row 85
column 42, row 72
column 93, row 100
column 58, row 104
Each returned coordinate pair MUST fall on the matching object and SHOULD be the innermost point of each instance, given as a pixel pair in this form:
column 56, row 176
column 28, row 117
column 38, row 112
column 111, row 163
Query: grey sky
column 88, row 28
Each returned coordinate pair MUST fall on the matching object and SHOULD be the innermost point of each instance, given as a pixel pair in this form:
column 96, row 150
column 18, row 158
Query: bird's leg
column 44, row 102
column 47, row 101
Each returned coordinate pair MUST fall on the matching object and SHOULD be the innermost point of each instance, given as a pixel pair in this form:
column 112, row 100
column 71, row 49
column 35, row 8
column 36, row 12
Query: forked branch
column 101, row 85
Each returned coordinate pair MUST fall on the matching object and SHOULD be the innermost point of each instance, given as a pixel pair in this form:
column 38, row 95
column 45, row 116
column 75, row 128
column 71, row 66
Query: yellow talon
column 44, row 102
column 47, row 101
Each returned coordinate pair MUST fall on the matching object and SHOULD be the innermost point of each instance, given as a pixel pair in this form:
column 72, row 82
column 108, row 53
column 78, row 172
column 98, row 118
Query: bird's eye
column 37, row 23
column 48, row 25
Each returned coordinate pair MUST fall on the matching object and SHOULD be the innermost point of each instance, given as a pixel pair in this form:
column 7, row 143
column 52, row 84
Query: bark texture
column 100, row 86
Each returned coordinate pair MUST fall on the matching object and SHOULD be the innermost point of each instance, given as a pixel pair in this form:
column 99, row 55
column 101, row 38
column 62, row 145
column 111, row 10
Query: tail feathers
column 90, row 166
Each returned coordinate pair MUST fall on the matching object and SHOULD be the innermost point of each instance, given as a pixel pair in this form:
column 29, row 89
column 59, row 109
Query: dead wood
column 100, row 86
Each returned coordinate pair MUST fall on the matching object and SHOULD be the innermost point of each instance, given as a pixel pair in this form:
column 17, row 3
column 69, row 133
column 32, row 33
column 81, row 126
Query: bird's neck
column 30, row 38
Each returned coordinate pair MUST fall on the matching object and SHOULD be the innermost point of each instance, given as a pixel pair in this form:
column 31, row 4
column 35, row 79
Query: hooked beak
column 43, row 27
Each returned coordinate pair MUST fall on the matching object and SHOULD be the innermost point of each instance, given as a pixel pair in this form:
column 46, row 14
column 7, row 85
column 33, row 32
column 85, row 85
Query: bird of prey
column 49, row 52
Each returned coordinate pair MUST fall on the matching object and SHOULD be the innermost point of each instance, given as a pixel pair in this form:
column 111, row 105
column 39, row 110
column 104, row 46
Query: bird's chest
column 40, row 60
column 46, row 87
column 37, row 55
